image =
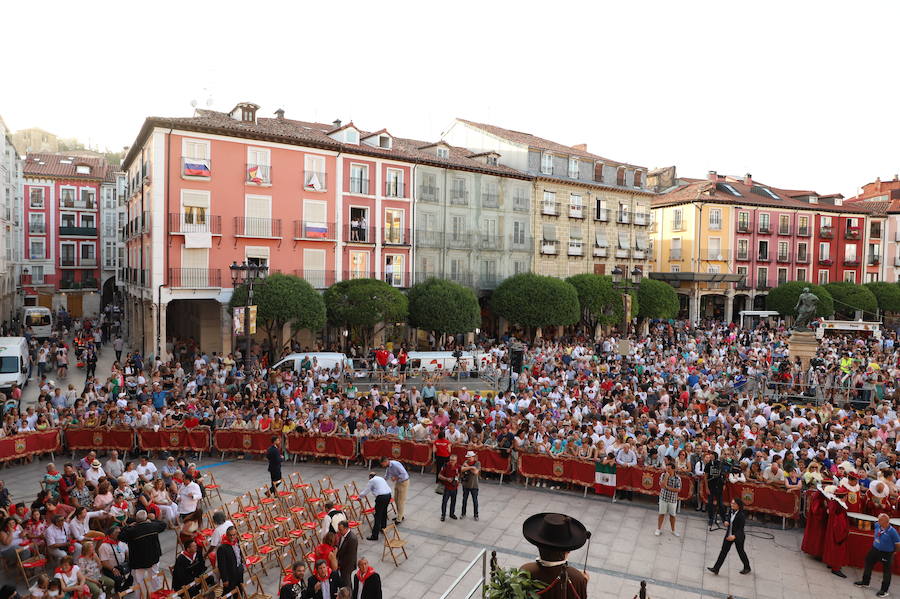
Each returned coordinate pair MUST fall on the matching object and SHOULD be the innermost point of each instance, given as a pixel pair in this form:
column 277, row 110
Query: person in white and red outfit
column 324, row 583
column 366, row 582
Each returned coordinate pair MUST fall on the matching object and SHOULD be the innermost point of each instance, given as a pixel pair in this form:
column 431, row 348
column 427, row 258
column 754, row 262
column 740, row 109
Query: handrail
column 482, row 555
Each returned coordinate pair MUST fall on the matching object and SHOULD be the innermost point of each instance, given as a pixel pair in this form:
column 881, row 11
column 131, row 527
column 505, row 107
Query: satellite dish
column 193, row 103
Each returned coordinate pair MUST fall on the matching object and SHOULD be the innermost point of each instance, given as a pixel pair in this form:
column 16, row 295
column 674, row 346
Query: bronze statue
column 806, row 310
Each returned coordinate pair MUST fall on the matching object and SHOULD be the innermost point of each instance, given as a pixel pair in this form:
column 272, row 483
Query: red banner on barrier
column 100, row 438
column 408, row 452
column 492, row 460
column 647, row 480
column 240, row 440
column 322, row 445
column 762, row 498
column 196, row 439
column 570, row 470
column 26, row 444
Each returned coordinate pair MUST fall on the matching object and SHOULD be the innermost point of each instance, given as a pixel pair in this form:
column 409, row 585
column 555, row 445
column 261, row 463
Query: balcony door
column 314, row 268
column 258, row 222
column 194, row 268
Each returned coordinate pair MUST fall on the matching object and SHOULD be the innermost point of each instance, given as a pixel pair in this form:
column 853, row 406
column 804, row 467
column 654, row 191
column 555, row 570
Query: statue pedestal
column 803, row 344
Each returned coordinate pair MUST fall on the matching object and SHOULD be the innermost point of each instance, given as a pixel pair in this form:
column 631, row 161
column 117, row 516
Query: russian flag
column 196, row 169
column 317, row 230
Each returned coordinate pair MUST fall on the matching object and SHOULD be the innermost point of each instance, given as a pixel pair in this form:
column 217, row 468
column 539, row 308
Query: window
column 871, row 277
column 743, row 249
column 359, row 225
column 762, row 276
column 258, row 220
column 547, row 163
column 850, row 276
column 743, row 222
column 803, row 225
column 575, row 241
column 88, row 198
column 393, row 269
column 83, row 169
column 850, row 253
column 352, row 136
column 67, row 220
column 36, row 250
column 458, row 228
column 714, row 249
column 715, row 219
column 825, row 221
column 36, row 223
column 88, row 253
column 37, row 275
column 638, row 178
column 782, row 276
column 359, row 178
column 384, row 141
column 520, row 267
column 677, row 220
column 443, row 152
column 314, row 178
column 195, row 161
column 824, row 250
column 518, row 235
column 823, row 277
column 393, row 226
column 802, row 252
column 729, row 189
column 314, row 268
column 194, row 271
column 573, row 168
column 36, row 198
column 393, row 184
column 492, row 160
column 782, row 251
column 194, row 211
column 67, row 197
column 576, row 208
column 620, row 177
column 87, row 221
column 763, row 250
column 458, row 191
column 258, row 169
column 315, row 220
column 801, row 274
column 764, row 222
column 109, row 254
column 359, row 265
column 675, row 249
column 675, row 268
column 598, row 172
column 784, row 224
column 257, row 255
column 742, row 270
column 549, row 204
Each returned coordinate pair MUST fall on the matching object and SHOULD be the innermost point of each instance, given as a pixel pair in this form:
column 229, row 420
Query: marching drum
column 864, row 521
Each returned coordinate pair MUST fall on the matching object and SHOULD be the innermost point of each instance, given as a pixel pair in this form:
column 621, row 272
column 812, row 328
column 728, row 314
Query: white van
column 323, row 360
column 40, row 319
column 13, row 362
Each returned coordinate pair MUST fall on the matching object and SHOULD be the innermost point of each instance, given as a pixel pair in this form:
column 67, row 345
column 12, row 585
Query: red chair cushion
column 253, row 559
column 238, row 515
column 296, row 509
column 280, row 519
column 266, row 549
column 267, row 500
column 251, row 508
column 34, row 562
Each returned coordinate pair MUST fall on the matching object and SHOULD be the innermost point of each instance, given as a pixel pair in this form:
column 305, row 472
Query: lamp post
column 625, row 284
column 247, row 274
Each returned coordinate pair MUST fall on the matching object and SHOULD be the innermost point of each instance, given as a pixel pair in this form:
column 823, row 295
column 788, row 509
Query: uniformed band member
column 555, row 535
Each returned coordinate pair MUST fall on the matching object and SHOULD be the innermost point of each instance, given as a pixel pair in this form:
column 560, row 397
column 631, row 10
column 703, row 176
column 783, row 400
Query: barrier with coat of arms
column 99, row 438
column 330, row 446
column 242, row 440
column 26, row 444
column 647, row 480
column 548, row 467
column 195, row 439
column 491, row 459
column 762, row 498
column 408, row 452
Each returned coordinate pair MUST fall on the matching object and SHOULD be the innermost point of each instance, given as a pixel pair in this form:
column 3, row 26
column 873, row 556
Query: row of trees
column 364, row 306
column 841, row 299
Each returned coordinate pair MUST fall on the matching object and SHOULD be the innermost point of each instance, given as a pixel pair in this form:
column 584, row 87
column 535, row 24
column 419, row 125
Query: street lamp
column 625, row 284
column 247, row 274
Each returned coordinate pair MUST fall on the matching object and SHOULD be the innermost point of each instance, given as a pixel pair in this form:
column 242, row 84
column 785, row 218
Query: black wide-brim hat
column 554, row 531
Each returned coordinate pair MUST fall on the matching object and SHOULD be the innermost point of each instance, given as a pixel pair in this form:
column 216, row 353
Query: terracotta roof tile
column 63, row 166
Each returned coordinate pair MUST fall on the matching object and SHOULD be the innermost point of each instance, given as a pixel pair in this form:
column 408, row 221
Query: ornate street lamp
column 247, row 274
column 624, row 283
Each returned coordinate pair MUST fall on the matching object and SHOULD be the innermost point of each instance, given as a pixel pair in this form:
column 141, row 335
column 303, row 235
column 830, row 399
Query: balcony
column 466, row 279
column 622, row 252
column 873, row 260
column 601, row 214
column 251, row 226
column 716, row 255
column 763, row 257
column 429, row 239
column 643, row 219
column 315, row 181
column 549, row 248
column 490, row 241
column 600, row 252
column 136, row 276
column 850, row 262
column 784, row 230
column 803, row 231
column 395, row 236
column 742, row 257
column 319, row 279
column 360, row 186
column 195, row 168
column 459, row 239
column 742, row 286
column 490, row 199
column 181, row 223
column 520, row 243
column 675, row 255
column 195, row 278
column 37, row 228
column 576, row 211
column 743, row 227
column 258, row 174
column 65, row 231
column 623, row 217
column 394, row 189
column 852, row 233
column 427, row 193
column 357, row 234
column 783, row 258
column 550, row 208
column 762, row 287
column 825, row 261
column 576, row 248
column 639, row 254
column 764, row 230
column 826, row 233
column 459, row 197
column 90, row 262
column 358, row 273
column 86, row 203
column 307, row 230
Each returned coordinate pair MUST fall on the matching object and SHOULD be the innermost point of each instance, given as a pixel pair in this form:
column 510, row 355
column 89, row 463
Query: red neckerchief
column 319, row 578
column 61, row 571
column 228, row 541
column 109, row 540
column 362, row 577
column 188, row 555
column 53, row 472
column 289, row 578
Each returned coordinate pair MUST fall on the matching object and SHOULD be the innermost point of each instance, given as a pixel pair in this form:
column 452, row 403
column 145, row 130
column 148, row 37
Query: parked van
column 40, row 319
column 323, row 360
column 13, row 362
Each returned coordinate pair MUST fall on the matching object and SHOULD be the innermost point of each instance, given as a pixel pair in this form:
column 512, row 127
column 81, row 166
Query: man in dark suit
column 323, row 584
column 230, row 562
column 369, row 579
column 293, row 586
column 273, row 454
column 346, row 552
column 734, row 535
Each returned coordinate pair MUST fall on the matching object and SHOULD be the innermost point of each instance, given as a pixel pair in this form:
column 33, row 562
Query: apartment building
column 882, row 200
column 589, row 213
column 61, row 231
column 10, row 224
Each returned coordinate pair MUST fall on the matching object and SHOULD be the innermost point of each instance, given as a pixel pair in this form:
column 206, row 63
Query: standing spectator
column 230, row 562
column 379, row 488
column 441, row 454
column 668, row 497
column 367, row 582
column 118, row 345
column 626, row 457
column 323, row 584
column 396, row 472
column 884, row 544
column 734, row 535
column 470, row 471
column 144, row 551
column 715, row 482
column 347, row 547
column 188, row 496
column 90, row 361
column 273, row 454
column 449, row 475
column 293, row 586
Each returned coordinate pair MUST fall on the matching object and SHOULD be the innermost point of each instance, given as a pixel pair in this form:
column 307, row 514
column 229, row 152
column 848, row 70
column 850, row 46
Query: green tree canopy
column 533, row 300
column 444, row 307
column 657, row 299
column 850, row 297
column 783, row 299
column 283, row 299
column 361, row 305
column 600, row 302
column 887, row 295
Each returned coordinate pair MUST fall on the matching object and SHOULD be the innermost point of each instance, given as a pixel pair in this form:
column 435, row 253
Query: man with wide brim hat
column 555, row 535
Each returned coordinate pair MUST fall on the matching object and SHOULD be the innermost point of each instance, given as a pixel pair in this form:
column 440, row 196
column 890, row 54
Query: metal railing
column 195, row 278
column 716, row 255
column 429, row 193
column 458, row 239
column 803, row 231
column 520, row 204
column 576, row 211
column 784, row 230
column 78, row 203
column 487, row 567
column 742, row 256
column 851, row 262
column 320, row 279
column 395, row 236
column 77, row 231
column 600, row 252
column 550, row 248
column 180, row 222
column 252, row 226
column 601, row 214
column 37, row 228
column 459, row 197
column 623, row 217
column 642, row 219
column 315, row 180
column 394, row 189
column 490, row 199
column 359, row 185
column 358, row 274
column 743, row 227
column 429, row 239
column 802, row 258
column 765, row 229
column 520, row 243
column 359, row 234
column 851, row 233
column 674, row 254
column 314, row 230
column 550, row 208
column 576, row 248
column 490, row 241
column 260, row 174
column 826, row 233
column 783, row 257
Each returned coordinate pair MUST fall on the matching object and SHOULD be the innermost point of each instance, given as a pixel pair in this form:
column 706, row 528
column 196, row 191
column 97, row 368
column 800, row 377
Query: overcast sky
column 801, row 94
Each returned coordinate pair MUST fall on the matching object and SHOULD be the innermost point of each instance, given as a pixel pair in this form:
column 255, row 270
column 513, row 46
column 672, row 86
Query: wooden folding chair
column 258, row 594
column 212, row 487
column 392, row 541
column 252, row 560
column 163, row 592
column 269, row 550
column 33, row 565
column 353, row 520
column 326, row 488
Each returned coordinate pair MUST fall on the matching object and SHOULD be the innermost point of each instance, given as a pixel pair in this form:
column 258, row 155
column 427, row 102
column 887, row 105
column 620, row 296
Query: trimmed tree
column 442, row 306
column 283, row 299
column 364, row 306
column 783, row 299
column 657, row 299
column 887, row 295
column 532, row 300
column 850, row 297
column 600, row 302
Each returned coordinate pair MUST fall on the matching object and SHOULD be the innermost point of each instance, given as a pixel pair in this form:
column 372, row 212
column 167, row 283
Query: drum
column 862, row 521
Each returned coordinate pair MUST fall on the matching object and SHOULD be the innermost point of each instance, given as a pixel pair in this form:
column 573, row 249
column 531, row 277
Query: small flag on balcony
column 605, row 479
column 195, row 169
column 253, row 175
column 317, row 230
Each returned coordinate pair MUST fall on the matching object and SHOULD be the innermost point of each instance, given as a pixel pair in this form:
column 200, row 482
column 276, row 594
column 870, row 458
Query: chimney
column 336, row 123
column 877, row 183
column 712, row 176
column 582, row 147
column 896, row 177
column 279, row 114
column 748, row 180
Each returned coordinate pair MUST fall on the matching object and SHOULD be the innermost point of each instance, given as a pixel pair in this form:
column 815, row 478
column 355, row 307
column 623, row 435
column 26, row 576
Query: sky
column 800, row 94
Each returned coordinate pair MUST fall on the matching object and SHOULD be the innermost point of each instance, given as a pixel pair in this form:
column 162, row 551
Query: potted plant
column 513, row 583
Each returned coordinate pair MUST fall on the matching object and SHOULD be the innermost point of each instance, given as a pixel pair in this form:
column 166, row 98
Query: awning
column 601, row 239
column 641, row 242
column 623, row 240
column 575, row 233
column 550, row 233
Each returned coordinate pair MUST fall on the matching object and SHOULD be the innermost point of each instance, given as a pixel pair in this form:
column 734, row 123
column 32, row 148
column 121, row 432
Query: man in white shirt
column 222, row 525
column 57, row 539
column 146, row 470
column 95, row 473
column 189, row 496
column 114, row 466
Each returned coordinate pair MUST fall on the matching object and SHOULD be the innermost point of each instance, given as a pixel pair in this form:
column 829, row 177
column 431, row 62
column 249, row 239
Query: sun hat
column 554, row 531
